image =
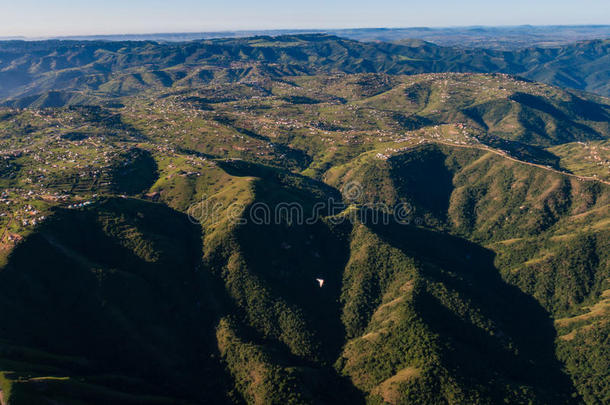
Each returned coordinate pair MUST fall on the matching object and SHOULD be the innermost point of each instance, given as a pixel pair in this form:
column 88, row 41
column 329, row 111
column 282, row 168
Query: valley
column 119, row 283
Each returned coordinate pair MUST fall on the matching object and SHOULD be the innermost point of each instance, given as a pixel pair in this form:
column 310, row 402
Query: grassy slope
column 521, row 245
column 395, row 292
column 548, row 233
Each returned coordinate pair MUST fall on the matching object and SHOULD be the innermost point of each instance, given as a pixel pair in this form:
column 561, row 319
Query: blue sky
column 78, row 17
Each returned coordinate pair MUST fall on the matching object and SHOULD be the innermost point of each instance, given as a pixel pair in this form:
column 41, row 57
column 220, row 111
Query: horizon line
column 305, row 30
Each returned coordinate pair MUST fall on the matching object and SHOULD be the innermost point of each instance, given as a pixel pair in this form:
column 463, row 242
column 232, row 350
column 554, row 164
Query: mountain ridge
column 167, row 213
column 70, row 66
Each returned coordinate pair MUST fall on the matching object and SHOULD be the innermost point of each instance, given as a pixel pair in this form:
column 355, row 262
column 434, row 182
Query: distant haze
column 499, row 38
column 37, row 18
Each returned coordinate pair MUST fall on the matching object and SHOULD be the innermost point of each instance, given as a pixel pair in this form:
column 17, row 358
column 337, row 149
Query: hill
column 166, row 244
column 85, row 70
column 394, row 320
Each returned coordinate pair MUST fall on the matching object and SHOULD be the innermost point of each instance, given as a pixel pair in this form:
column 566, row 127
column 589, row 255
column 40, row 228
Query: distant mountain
column 500, row 38
column 505, row 38
column 88, row 69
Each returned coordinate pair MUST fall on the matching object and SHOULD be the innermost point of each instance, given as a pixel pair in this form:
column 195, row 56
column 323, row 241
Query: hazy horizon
column 304, row 30
column 34, row 18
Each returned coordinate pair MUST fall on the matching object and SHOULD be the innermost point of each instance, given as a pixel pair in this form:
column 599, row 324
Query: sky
column 41, row 18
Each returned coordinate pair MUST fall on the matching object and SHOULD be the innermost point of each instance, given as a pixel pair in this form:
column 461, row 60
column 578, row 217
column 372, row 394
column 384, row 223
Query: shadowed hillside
column 303, row 219
column 113, row 307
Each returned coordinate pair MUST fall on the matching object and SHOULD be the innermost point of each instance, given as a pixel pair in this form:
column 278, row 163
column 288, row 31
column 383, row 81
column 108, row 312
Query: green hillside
column 301, row 220
column 386, row 291
column 55, row 73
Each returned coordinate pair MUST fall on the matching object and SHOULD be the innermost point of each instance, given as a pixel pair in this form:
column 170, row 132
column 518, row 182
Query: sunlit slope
column 493, row 289
column 548, row 231
column 591, row 159
column 501, row 106
column 316, row 123
column 380, row 275
column 389, row 323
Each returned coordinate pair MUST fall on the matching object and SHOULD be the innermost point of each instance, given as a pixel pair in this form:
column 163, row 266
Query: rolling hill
column 82, row 71
column 168, row 211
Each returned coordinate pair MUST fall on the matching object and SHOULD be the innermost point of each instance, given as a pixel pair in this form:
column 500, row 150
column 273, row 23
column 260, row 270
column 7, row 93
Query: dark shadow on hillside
column 535, row 124
column 288, row 259
column 589, row 110
column 423, row 178
column 412, row 122
column 521, row 348
column 295, row 157
column 113, row 122
column 287, row 256
column 522, row 151
column 135, row 172
column 102, row 300
column 296, row 185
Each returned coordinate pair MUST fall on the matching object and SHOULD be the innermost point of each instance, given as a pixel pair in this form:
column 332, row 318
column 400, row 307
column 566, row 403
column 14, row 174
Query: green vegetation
column 56, row 73
column 590, row 159
column 133, row 272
